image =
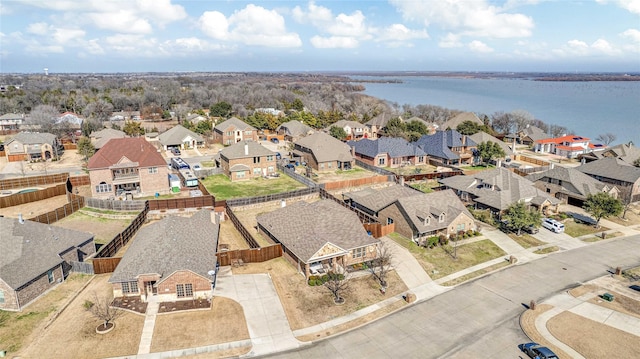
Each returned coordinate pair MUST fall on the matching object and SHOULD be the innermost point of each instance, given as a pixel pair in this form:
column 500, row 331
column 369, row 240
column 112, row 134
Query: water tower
column 46, row 71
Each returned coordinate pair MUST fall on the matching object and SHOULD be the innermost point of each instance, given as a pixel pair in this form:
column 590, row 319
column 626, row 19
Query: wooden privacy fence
column 33, row 181
column 364, row 217
column 28, row 197
column 82, row 267
column 83, row 180
column 121, row 239
column 355, row 182
column 181, row 203
column 253, row 255
column 430, row 176
column 535, row 161
column 271, row 197
column 75, row 203
column 378, row 230
column 128, row 206
column 105, row 265
column 248, row 237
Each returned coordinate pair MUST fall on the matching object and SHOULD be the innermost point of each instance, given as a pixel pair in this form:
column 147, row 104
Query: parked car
column 275, row 140
column 541, row 353
column 527, row 347
column 531, row 229
column 553, row 225
column 175, row 151
column 289, row 166
column 196, row 167
column 635, row 287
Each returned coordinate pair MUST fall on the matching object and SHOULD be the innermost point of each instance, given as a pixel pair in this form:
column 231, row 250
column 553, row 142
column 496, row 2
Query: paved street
column 477, row 319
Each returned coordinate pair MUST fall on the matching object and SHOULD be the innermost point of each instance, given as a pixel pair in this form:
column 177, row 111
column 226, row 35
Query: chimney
column 20, row 219
column 353, row 151
column 283, row 203
column 246, row 149
column 214, row 217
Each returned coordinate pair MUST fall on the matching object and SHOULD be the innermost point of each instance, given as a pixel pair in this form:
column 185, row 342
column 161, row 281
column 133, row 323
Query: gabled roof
column 485, row 137
column 176, row 136
column 305, row 228
column 393, row 146
column 101, row 137
column 573, row 181
column 326, row 148
column 70, row 117
column 497, row 188
column 245, row 149
column 431, row 205
column 534, row 133
column 612, row 168
column 33, row 138
column 172, row 244
column 626, row 152
column 235, row 123
column 12, row 116
column 563, row 139
column 29, row 249
column 135, row 149
column 344, row 123
column 454, row 122
column 294, row 128
column 440, row 143
column 380, row 120
column 377, row 199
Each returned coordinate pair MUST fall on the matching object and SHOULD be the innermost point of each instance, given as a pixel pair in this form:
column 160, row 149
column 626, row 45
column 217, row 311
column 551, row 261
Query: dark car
column 531, row 229
column 275, row 140
column 175, row 151
column 635, row 287
column 289, row 166
column 534, row 350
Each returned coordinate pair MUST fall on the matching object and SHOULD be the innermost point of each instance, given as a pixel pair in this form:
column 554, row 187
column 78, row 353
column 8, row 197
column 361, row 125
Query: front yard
column 221, row 187
column 439, row 263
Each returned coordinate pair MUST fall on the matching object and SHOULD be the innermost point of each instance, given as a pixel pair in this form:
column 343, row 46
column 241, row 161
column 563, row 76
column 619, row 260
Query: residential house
column 180, row 137
column 195, row 118
column 71, row 119
column 528, row 136
column 449, row 147
column 499, row 188
column 125, row 116
column 431, row 127
column 99, row 138
column 617, row 172
column 323, row 152
column 377, row 123
column 170, row 260
column 294, row 130
column 234, row 130
column 485, row 137
column 36, row 257
column 570, row 185
column 388, row 152
column 569, row 146
column 11, row 121
column 456, row 120
column 246, row 160
column 355, row 130
column 270, row 111
column 627, row 152
column 319, row 237
column 129, row 167
column 32, row 146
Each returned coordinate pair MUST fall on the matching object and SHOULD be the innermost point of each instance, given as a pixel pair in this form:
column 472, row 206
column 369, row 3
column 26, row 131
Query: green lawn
column 425, row 186
column 221, row 187
column 439, row 263
column 579, row 229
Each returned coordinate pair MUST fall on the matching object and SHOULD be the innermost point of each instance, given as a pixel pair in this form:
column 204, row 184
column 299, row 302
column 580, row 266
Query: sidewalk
column 149, row 324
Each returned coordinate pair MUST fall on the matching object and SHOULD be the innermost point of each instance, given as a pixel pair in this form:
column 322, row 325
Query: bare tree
column 337, row 284
column 101, row 308
column 99, row 110
column 606, row 138
column 45, row 117
column 521, row 119
column 381, row 266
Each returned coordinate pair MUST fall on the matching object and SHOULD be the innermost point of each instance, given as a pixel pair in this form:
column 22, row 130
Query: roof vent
column 20, row 219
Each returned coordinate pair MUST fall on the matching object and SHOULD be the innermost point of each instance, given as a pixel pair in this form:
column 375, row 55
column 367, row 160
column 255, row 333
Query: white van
column 553, row 225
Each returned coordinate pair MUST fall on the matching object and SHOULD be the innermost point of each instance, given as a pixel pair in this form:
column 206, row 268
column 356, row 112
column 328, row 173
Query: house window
column 257, row 171
column 358, row 252
column 134, row 287
column 441, row 218
column 103, row 188
column 329, row 165
column 270, row 158
column 184, row 290
column 256, row 160
column 247, row 133
column 129, row 287
column 229, row 133
column 270, row 169
column 153, row 170
column 125, row 287
column 241, row 174
column 381, row 161
column 420, row 159
column 460, row 227
column 389, row 220
column 1, row 296
column 50, row 276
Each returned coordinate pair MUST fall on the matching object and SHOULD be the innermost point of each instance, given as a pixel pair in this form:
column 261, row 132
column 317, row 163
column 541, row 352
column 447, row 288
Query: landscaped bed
column 221, row 187
column 170, row 307
column 134, row 304
column 439, row 261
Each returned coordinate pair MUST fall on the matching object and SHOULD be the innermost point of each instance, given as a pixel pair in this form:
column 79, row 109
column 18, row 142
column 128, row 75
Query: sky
column 105, row 36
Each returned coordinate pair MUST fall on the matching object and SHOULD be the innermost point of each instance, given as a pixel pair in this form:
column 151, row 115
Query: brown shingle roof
column 136, row 149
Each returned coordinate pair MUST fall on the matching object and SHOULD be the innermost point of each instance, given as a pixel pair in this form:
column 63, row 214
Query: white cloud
column 471, row 18
column 122, row 21
column 64, row 36
column 581, row 48
column 633, row 6
column 161, row 11
column 253, row 25
column 450, row 41
column 604, row 47
column 479, row 46
column 39, row 28
column 631, row 34
column 333, row 42
column 400, row 33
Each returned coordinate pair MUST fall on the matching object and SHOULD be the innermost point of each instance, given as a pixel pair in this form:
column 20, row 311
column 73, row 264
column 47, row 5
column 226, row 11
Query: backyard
column 221, row 187
column 104, row 229
column 438, row 262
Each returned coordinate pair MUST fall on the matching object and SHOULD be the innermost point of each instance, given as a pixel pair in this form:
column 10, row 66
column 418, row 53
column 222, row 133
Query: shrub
column 325, row 278
column 319, row 282
column 87, row 304
column 432, row 242
column 442, row 240
column 311, row 282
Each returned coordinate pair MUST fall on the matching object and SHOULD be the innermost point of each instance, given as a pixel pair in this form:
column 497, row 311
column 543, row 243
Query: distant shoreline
column 533, row 76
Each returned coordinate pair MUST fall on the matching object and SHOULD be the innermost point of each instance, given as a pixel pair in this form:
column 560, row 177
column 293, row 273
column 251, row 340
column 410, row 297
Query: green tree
column 203, row 127
column 488, row 151
column 221, row 109
column 602, row 205
column 417, row 126
column 468, row 128
column 338, row 132
column 133, row 128
column 518, row 217
column 86, row 148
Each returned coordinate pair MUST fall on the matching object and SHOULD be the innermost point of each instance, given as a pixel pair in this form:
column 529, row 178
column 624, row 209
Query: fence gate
column 81, row 267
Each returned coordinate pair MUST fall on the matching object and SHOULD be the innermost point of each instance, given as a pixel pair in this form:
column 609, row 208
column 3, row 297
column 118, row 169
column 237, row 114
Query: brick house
column 128, row 167
column 11, row 121
column 293, row 130
column 323, row 152
column 388, row 152
column 354, row 130
column 32, row 146
column 617, row 172
column 246, row 160
column 449, row 147
column 234, row 130
column 319, row 237
column 415, row 215
column 170, row 260
column 36, row 257
column 180, row 137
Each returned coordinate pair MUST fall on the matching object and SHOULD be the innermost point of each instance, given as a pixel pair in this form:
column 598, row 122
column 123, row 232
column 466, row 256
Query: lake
column 586, row 108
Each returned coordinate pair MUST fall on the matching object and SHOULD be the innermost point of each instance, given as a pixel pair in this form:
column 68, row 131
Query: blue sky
column 394, row 35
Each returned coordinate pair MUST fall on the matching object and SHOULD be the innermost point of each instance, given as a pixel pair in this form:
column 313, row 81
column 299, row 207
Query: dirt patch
column 33, row 209
column 621, row 303
column 230, row 237
column 170, row 307
column 134, row 304
column 528, row 324
column 225, row 322
column 73, row 335
column 306, row 306
column 593, row 339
